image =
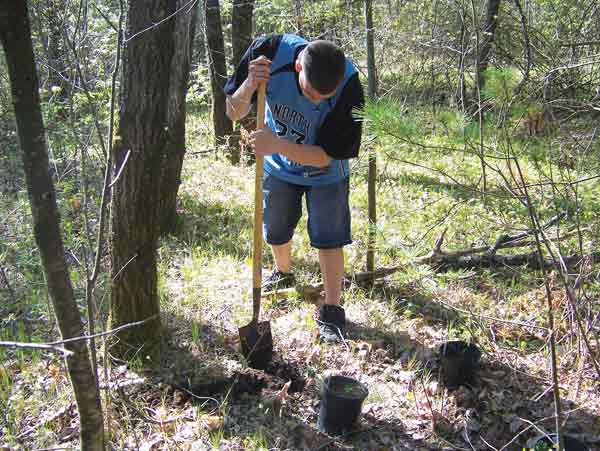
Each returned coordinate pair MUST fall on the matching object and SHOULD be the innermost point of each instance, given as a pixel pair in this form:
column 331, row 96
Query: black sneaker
column 332, row 323
column 278, row 281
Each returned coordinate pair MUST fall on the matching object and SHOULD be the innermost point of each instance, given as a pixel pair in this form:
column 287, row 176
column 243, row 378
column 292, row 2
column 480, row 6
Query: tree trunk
column 199, row 43
column 56, row 50
column 372, row 157
column 141, row 155
column 461, row 89
column 218, row 70
column 241, row 38
column 489, row 32
column 175, row 146
column 526, row 45
column 299, row 17
column 15, row 35
column 241, row 27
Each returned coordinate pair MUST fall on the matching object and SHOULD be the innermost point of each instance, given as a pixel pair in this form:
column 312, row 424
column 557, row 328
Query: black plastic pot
column 571, row 444
column 341, row 403
column 459, row 361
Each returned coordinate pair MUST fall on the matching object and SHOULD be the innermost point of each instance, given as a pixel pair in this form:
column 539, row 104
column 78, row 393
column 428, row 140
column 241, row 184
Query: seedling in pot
column 548, row 443
column 459, row 361
column 341, row 404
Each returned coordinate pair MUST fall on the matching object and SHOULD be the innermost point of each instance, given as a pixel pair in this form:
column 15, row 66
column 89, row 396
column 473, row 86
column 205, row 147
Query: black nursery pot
column 341, row 404
column 571, row 444
column 460, row 361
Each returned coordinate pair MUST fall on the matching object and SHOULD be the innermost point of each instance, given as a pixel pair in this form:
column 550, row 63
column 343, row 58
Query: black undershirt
column 341, row 131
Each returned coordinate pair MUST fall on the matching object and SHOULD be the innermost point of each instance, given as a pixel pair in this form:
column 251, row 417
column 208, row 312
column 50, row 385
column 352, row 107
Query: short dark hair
column 324, row 64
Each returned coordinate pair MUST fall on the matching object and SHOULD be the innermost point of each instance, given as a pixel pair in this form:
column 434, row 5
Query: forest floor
column 197, row 393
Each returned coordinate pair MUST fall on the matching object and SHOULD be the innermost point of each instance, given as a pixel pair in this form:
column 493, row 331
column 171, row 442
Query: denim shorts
column 328, row 212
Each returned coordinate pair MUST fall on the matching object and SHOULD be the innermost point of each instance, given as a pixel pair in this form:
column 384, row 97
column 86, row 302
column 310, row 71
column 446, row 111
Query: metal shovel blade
column 257, row 344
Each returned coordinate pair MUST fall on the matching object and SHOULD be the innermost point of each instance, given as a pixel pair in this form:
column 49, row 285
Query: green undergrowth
column 429, row 185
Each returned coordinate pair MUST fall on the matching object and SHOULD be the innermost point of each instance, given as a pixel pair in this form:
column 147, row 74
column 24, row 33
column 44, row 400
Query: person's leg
column 282, row 254
column 332, row 270
column 329, row 230
column 282, row 208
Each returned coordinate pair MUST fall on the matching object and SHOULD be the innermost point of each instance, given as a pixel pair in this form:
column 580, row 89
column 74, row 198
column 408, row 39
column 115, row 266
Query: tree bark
column 218, row 70
column 299, row 17
column 15, row 35
column 526, row 45
column 140, row 157
column 199, row 43
column 241, row 38
column 461, row 89
column 241, row 27
column 489, row 32
column 372, row 156
column 56, row 48
column 175, row 146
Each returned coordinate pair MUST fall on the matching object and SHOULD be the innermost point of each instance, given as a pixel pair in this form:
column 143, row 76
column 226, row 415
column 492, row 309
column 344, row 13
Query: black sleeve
column 267, row 46
column 341, row 131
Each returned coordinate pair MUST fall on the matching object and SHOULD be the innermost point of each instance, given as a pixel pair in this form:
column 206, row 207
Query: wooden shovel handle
column 258, row 212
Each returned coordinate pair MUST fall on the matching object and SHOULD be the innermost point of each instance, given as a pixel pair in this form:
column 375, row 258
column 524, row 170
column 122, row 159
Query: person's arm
column 238, row 104
column 265, row 143
column 306, row 154
column 337, row 139
column 254, row 68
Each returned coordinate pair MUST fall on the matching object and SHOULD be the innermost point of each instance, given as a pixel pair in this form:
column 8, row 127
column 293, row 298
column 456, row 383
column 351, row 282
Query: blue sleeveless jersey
column 292, row 116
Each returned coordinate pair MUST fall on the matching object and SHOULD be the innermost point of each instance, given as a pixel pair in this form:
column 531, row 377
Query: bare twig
column 120, row 171
column 42, row 346
column 4, row 280
column 191, row 8
column 109, row 145
column 491, row 318
column 552, row 338
column 53, row 346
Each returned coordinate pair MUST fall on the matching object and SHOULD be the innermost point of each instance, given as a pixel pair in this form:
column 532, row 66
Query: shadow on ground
column 498, row 408
column 223, row 227
column 506, row 399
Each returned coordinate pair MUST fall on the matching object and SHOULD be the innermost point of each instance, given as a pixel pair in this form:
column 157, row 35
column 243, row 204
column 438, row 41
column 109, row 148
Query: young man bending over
column 311, row 132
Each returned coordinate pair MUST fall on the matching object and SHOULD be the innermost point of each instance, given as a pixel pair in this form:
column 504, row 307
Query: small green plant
column 197, row 335
column 136, row 363
column 256, row 442
column 5, row 385
column 215, row 438
column 544, row 446
column 500, row 85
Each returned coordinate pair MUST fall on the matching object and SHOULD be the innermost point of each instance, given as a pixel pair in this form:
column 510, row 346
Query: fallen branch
column 491, row 318
column 314, row 291
column 42, row 346
column 502, row 242
column 123, row 399
column 467, row 258
column 53, row 346
column 447, row 261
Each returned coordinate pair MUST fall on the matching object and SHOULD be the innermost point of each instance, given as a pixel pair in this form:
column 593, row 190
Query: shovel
column 256, row 338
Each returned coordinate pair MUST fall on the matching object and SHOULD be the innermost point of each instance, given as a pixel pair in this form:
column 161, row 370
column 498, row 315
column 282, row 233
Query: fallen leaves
column 211, row 422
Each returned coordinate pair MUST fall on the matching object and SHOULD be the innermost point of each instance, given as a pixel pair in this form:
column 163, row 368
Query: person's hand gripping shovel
column 255, row 337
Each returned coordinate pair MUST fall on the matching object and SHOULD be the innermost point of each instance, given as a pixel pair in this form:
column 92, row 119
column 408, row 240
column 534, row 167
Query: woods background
column 126, row 217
